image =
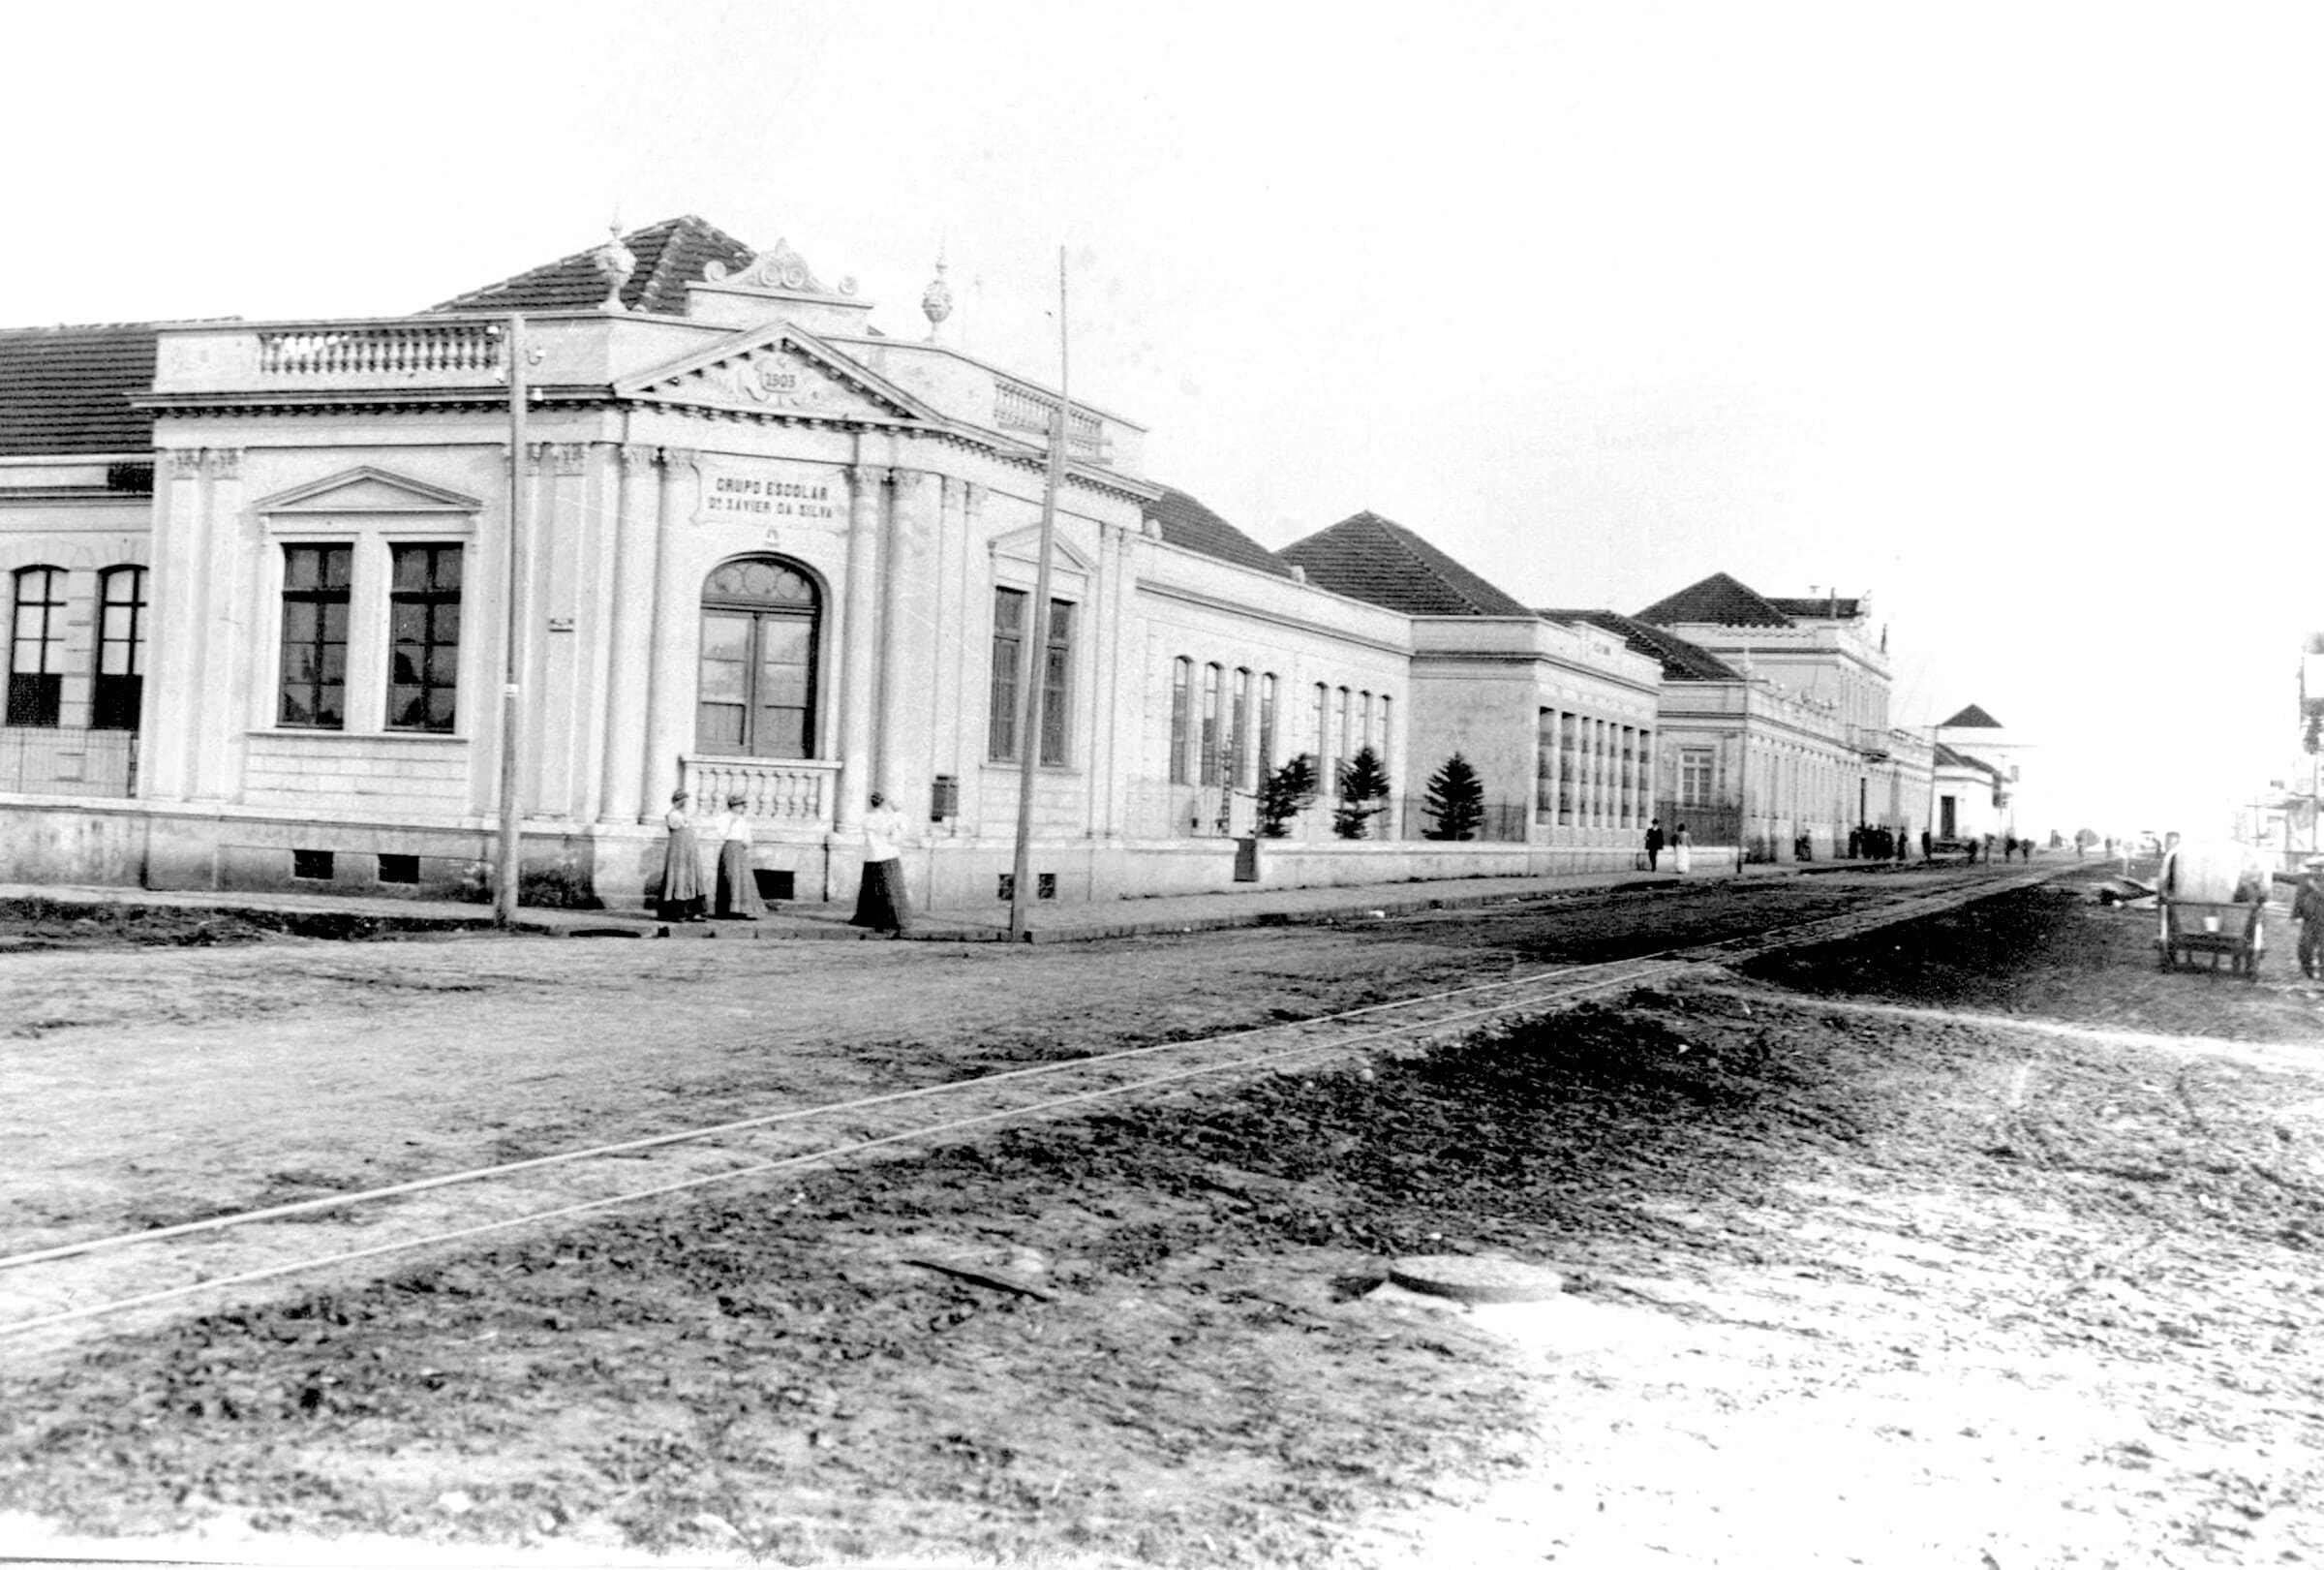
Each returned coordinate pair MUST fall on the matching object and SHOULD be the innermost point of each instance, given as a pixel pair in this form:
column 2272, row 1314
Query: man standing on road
column 2308, row 909
column 1654, row 843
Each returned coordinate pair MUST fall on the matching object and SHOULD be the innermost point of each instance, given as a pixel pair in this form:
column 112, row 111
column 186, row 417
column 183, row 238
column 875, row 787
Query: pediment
column 779, row 371
column 366, row 489
column 1026, row 544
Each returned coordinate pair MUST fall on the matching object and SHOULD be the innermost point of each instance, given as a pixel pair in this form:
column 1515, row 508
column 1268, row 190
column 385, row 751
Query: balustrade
column 1017, row 408
column 787, row 792
column 447, row 348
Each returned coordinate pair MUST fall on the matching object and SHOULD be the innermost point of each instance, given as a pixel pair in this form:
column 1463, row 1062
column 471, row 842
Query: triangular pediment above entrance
column 1025, row 545
column 780, row 370
column 366, row 489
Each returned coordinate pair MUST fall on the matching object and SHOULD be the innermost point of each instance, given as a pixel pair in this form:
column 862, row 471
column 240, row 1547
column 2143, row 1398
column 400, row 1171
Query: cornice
column 1296, row 624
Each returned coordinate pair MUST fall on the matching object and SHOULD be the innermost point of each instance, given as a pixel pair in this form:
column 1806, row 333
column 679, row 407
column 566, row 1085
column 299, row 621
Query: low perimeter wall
column 44, row 840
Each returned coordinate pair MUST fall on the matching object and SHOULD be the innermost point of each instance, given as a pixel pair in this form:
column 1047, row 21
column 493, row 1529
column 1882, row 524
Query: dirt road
column 1980, row 1239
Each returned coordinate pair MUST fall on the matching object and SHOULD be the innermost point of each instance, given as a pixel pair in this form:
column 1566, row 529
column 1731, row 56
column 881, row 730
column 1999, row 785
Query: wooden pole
column 507, row 861
column 1036, row 667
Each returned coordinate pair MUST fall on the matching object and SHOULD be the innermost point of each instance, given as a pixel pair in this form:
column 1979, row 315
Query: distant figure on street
column 1654, row 843
column 1682, row 850
column 738, row 887
column 880, row 903
column 1928, row 845
column 2307, row 909
column 681, row 866
column 1988, row 849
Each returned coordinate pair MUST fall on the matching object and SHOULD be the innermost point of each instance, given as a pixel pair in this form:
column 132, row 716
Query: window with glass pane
column 36, row 661
column 755, row 687
column 1238, row 732
column 1265, row 758
column 1011, row 614
column 315, row 601
column 1209, row 725
column 119, row 690
column 1181, row 718
column 423, row 632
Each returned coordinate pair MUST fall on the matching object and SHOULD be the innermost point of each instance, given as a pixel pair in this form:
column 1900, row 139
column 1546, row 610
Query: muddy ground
column 1974, row 1243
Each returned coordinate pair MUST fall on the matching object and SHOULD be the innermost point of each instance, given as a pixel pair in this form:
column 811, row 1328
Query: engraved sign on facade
column 767, row 492
column 773, row 382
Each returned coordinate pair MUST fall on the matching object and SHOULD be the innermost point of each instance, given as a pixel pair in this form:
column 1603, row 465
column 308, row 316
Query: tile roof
column 1368, row 558
column 1973, row 717
column 1682, row 661
column 1718, row 601
column 1185, row 522
column 1821, row 608
column 67, row 389
column 670, row 255
column 1949, row 759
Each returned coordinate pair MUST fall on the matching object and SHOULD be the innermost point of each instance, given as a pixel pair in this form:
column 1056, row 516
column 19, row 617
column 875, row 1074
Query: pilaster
column 906, row 647
column 673, row 633
column 858, row 632
column 629, row 600
column 559, row 541
column 173, row 675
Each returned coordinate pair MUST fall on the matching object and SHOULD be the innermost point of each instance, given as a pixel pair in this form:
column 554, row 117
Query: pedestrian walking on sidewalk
column 738, row 885
column 681, row 866
column 1654, row 843
column 1682, row 850
column 880, row 901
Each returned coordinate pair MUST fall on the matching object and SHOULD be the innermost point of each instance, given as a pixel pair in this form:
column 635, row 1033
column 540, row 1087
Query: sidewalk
column 358, row 915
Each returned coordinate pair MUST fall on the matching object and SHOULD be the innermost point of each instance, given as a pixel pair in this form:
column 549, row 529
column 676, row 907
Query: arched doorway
column 761, row 626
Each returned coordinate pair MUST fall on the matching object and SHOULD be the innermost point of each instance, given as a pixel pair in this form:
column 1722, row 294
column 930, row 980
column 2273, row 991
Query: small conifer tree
column 1363, row 786
column 1284, row 793
column 1455, row 801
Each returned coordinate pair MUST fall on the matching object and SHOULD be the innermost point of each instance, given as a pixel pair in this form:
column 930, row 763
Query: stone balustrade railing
column 1017, row 408
column 787, row 792
column 434, row 349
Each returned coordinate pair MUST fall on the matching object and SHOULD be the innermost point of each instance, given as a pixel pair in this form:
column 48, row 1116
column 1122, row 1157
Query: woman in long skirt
column 738, row 887
column 681, row 867
column 1682, row 850
column 880, row 903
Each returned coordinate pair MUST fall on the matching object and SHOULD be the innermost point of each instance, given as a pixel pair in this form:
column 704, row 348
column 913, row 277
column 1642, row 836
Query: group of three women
column 880, row 903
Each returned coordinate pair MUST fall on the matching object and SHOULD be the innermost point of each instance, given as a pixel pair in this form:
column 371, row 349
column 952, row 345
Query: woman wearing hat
column 681, row 867
column 738, row 887
column 879, row 902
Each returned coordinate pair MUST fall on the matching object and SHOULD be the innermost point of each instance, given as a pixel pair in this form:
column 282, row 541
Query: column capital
column 185, row 463
column 674, row 459
column 535, row 454
column 908, row 482
column 570, row 456
column 225, row 463
column 864, row 475
column 638, row 459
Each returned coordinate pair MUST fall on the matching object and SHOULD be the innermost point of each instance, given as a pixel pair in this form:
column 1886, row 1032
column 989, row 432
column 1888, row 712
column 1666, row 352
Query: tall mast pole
column 505, row 873
column 1033, row 662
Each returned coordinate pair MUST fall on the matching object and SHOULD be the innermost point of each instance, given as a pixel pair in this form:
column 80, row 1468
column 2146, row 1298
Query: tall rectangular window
column 1265, row 758
column 1238, row 732
column 1386, row 730
column 1011, row 619
column 1182, row 718
column 1544, row 766
column 1208, row 721
column 119, row 690
column 315, row 599
column 1694, row 776
column 1347, row 733
column 36, row 657
column 1320, row 724
column 423, row 631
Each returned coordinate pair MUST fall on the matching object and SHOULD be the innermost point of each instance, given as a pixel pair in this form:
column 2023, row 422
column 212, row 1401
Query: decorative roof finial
column 615, row 264
column 936, row 301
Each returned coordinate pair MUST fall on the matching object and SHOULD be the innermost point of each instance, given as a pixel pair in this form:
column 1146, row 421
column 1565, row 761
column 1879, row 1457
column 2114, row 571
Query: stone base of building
column 619, row 867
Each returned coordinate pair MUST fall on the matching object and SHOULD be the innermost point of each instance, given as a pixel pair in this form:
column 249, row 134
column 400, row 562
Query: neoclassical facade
column 271, row 580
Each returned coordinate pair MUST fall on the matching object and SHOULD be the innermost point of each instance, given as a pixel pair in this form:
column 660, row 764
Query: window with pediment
column 761, row 626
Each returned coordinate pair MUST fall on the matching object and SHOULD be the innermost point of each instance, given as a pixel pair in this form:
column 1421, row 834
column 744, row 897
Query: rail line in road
column 57, row 1288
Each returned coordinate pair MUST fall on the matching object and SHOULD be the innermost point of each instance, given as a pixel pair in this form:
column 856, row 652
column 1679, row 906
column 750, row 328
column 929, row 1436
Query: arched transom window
column 760, row 618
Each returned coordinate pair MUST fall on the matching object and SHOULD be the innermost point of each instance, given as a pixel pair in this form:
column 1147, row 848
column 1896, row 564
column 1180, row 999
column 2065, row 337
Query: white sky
column 2008, row 314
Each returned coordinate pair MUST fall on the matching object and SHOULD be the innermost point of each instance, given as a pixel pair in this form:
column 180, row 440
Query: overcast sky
column 2008, row 316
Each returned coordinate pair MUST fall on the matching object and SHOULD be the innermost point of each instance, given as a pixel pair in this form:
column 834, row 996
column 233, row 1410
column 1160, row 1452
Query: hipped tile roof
column 670, row 255
column 1948, row 758
column 1186, row 523
column 1370, row 558
column 1972, row 716
column 1682, row 661
column 1718, row 601
column 67, row 389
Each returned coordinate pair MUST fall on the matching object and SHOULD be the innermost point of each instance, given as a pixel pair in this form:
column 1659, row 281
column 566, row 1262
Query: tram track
column 61, row 1290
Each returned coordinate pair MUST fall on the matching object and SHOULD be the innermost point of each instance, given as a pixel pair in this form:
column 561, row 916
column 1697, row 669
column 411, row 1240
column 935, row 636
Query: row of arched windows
column 1224, row 724
column 36, row 654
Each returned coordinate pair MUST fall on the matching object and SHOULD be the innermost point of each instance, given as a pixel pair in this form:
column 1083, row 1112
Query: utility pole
column 506, row 863
column 1034, row 661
